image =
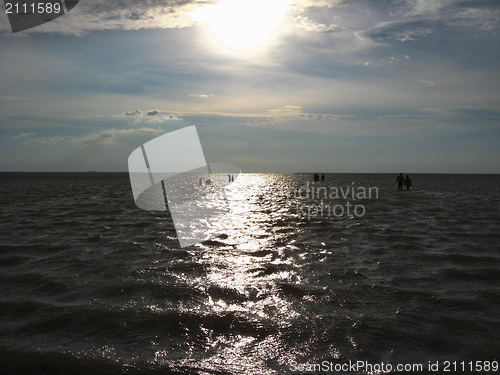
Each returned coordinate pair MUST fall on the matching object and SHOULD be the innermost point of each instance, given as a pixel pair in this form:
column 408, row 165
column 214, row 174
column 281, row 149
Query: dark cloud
column 405, row 30
column 152, row 113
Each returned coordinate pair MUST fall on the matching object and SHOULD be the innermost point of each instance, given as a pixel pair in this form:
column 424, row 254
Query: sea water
column 296, row 284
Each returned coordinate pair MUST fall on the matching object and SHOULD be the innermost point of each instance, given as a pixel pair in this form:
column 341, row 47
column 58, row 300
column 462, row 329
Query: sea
column 343, row 276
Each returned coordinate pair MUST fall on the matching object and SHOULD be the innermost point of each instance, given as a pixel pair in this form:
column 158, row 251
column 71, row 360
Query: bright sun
column 243, row 24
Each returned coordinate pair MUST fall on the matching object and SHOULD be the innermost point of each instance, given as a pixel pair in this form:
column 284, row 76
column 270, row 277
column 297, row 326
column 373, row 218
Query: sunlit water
column 91, row 283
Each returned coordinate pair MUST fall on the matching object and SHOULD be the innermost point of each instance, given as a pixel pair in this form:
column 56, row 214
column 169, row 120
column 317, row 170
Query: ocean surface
column 92, row 284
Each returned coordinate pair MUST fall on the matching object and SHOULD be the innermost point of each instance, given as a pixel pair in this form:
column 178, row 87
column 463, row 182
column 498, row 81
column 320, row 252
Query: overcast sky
column 408, row 86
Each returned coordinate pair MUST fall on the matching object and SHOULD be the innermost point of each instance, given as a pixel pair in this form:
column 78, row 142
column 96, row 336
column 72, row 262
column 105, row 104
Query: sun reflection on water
column 248, row 291
column 244, row 270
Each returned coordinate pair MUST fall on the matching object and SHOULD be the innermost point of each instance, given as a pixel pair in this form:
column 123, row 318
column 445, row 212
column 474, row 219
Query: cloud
column 421, row 8
column 283, row 115
column 109, row 137
column 204, row 96
column 306, row 24
column 427, row 83
column 402, row 30
column 487, row 20
column 148, row 14
column 276, row 114
column 410, row 34
column 133, row 113
column 152, row 113
column 306, row 15
column 416, row 19
column 163, row 14
column 289, row 117
column 24, row 135
column 50, row 140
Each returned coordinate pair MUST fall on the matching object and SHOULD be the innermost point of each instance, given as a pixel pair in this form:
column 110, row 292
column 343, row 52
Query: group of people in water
column 209, row 181
column 400, row 180
column 317, row 177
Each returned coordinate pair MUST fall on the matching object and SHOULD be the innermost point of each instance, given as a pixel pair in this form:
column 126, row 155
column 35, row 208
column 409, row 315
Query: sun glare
column 243, row 24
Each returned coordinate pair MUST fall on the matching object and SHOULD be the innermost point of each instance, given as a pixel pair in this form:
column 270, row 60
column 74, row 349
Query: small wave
column 13, row 260
column 300, row 290
column 261, row 253
column 213, row 243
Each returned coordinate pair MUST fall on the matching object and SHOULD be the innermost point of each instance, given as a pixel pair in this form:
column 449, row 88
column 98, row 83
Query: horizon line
column 414, row 173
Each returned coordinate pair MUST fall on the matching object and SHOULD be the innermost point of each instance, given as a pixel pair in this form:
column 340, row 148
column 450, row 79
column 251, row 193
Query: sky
column 352, row 86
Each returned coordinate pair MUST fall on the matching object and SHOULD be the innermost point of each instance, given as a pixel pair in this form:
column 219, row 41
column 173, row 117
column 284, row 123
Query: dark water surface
column 92, row 284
